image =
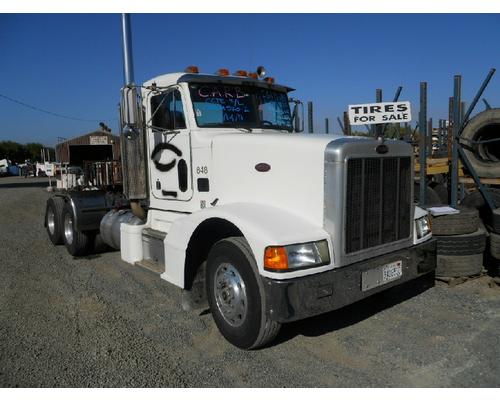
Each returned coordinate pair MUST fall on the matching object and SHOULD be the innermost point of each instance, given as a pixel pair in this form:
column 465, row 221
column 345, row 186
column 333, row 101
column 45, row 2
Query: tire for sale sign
column 379, row 113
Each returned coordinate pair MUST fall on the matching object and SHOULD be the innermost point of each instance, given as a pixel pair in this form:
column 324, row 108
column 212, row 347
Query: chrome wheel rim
column 68, row 228
column 230, row 294
column 51, row 222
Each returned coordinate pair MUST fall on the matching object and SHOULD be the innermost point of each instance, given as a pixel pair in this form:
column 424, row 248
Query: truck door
column 170, row 146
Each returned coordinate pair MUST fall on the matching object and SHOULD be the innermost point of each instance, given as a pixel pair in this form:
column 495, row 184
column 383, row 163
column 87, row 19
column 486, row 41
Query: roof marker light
column 269, row 80
column 241, row 72
column 253, row 75
column 192, row 69
column 223, row 72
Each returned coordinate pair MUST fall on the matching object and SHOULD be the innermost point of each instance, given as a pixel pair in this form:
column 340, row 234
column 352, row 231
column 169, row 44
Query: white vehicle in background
column 46, row 168
column 4, row 167
column 226, row 200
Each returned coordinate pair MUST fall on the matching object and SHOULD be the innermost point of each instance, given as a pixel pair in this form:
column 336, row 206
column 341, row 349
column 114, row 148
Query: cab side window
column 167, row 111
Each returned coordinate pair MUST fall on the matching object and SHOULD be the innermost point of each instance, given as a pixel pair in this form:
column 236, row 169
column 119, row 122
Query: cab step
column 151, row 266
column 153, row 250
column 154, row 234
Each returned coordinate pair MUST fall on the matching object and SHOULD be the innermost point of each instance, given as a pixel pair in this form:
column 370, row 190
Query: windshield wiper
column 244, row 129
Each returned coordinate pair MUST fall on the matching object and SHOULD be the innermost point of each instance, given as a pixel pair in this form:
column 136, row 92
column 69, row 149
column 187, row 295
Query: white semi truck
column 225, row 200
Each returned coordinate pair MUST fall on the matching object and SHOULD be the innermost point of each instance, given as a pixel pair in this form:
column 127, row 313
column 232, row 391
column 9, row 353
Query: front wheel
column 236, row 297
column 77, row 243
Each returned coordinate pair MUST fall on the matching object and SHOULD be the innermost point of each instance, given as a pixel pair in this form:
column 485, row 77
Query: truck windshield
column 220, row 105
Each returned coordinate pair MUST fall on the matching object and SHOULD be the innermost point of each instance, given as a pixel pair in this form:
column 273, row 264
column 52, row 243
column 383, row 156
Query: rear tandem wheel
column 78, row 243
column 53, row 219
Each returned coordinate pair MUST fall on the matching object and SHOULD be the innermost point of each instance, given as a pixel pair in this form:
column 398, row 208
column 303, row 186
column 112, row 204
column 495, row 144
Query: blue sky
column 71, row 63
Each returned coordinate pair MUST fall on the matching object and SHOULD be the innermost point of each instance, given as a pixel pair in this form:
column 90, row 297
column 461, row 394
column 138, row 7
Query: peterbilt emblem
column 262, row 167
column 382, row 149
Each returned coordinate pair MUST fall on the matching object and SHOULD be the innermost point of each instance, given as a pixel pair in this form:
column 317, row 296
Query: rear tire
column 53, row 219
column 77, row 243
column 236, row 295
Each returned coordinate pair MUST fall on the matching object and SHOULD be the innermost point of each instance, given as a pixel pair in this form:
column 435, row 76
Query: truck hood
column 294, row 181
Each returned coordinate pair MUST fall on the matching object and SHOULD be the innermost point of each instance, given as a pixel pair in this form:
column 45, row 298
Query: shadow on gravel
column 29, row 183
column 89, row 257
column 354, row 313
column 491, row 264
column 99, row 248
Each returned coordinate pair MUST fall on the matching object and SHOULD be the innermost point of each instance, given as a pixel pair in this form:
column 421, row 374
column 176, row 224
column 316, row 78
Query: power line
column 53, row 113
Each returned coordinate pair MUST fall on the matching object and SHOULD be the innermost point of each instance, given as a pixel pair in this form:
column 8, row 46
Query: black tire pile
column 461, row 241
column 491, row 220
column 493, row 225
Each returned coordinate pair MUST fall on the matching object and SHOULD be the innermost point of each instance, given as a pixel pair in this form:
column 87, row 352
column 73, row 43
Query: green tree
column 33, row 151
column 12, row 151
column 18, row 153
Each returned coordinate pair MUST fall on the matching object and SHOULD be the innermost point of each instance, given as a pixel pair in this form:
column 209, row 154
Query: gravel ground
column 98, row 321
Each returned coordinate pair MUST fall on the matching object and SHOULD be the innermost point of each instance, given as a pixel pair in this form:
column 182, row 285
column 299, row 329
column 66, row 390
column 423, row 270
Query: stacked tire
column 491, row 221
column 461, row 241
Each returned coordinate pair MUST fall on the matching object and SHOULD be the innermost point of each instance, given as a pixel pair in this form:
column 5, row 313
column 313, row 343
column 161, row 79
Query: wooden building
column 94, row 146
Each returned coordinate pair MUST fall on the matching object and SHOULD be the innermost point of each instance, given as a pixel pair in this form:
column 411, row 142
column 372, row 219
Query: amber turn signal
column 223, row 72
column 192, row 69
column 275, row 258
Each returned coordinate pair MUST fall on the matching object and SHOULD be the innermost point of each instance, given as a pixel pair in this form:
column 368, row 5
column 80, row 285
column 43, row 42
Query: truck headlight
column 423, row 226
column 296, row 256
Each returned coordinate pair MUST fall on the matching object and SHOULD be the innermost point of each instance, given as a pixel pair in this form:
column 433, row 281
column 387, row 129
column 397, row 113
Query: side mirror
column 298, row 115
column 130, row 112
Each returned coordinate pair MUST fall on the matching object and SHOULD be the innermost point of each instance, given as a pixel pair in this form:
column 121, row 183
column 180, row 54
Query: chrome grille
column 378, row 202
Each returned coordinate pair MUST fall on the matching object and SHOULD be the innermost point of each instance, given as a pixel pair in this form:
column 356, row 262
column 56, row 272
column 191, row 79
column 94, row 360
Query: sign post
column 49, row 171
column 378, row 99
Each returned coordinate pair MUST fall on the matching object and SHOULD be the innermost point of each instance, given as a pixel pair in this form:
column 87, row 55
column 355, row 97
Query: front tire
column 236, row 296
column 77, row 243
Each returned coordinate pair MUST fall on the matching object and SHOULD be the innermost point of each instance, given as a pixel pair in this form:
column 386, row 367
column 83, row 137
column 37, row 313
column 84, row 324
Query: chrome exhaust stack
column 133, row 141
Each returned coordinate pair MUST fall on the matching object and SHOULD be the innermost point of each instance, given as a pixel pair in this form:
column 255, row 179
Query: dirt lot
column 98, row 321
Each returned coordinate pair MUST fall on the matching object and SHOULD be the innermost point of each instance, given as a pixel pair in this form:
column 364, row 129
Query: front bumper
column 299, row 298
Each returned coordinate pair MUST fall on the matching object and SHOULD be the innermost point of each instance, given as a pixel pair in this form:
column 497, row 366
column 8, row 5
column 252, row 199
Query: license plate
column 381, row 275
